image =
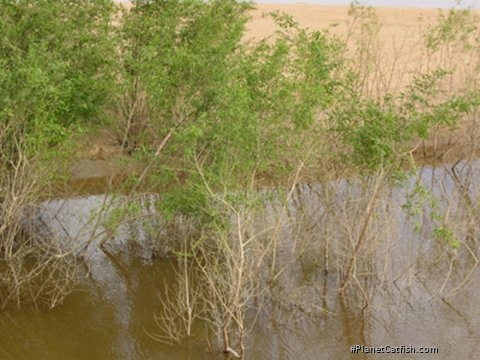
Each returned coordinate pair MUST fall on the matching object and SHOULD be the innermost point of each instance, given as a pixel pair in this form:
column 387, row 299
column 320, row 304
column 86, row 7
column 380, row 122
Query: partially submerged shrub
column 379, row 133
column 32, row 269
column 56, row 76
column 212, row 119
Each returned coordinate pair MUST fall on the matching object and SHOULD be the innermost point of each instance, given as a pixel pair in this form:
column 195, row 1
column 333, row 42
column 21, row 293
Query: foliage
column 56, row 75
column 206, row 113
column 234, row 108
column 378, row 132
column 56, row 67
column 455, row 27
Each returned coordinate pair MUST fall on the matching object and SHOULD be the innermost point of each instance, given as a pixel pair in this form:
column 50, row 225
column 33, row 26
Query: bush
column 56, row 66
column 56, row 75
column 233, row 110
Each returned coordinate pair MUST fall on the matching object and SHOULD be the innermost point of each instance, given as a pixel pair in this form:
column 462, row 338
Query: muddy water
column 423, row 295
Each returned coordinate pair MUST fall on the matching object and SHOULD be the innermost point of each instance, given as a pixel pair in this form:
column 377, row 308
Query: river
column 417, row 290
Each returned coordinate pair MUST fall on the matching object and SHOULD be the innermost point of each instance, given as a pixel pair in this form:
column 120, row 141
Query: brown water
column 113, row 321
column 424, row 296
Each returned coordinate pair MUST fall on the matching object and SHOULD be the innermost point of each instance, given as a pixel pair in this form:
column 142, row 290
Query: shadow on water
column 412, row 290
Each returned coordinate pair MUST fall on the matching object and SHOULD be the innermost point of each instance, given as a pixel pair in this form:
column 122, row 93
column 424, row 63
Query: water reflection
column 414, row 290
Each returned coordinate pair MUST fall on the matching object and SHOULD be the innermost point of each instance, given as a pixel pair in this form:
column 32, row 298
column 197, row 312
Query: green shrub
column 56, row 68
column 56, row 76
column 237, row 110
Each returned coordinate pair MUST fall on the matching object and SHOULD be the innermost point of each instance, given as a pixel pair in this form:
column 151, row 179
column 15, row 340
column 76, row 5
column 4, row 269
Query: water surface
column 419, row 292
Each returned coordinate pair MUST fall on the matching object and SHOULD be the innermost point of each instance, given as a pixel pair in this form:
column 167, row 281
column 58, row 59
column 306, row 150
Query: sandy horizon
column 316, row 16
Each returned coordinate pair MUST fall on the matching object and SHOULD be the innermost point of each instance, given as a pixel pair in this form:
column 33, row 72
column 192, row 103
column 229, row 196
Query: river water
column 416, row 290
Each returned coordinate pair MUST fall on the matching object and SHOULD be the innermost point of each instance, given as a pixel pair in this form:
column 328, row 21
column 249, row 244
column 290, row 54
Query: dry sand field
column 391, row 59
column 397, row 21
column 399, row 44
